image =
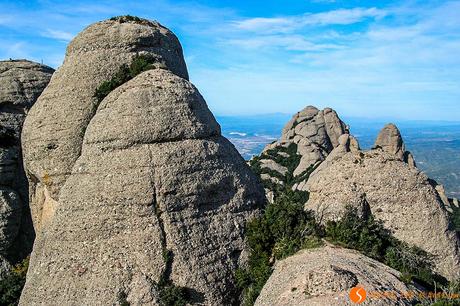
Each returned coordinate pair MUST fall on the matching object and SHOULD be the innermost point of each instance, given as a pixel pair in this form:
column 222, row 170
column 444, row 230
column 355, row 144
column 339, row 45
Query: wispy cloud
column 287, row 42
column 59, row 35
column 291, row 23
column 14, row 49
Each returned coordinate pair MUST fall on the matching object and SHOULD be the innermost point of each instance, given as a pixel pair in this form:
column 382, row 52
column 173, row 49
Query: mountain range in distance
column 434, row 144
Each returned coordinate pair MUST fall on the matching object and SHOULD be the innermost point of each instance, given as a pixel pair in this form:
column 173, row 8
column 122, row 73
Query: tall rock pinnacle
column 147, row 193
column 390, row 140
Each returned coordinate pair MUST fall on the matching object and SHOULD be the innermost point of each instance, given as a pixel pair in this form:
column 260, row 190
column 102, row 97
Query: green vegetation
column 170, row 294
column 284, row 228
column 368, row 236
column 126, row 18
column 11, row 285
column 129, row 18
column 290, row 161
column 139, row 64
column 455, row 217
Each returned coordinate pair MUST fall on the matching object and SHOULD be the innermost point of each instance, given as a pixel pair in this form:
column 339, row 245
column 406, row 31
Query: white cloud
column 59, row 35
column 403, row 66
column 291, row 23
column 287, row 42
column 344, row 16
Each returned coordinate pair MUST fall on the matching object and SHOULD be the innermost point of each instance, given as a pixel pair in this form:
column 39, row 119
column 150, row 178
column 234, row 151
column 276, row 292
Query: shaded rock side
column 400, row 195
column 154, row 175
column 324, row 276
column 21, row 82
column 53, row 131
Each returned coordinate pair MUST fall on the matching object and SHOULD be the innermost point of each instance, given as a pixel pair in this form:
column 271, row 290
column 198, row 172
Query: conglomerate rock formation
column 324, row 276
column 54, row 131
column 21, row 82
column 139, row 189
column 386, row 181
column 306, row 140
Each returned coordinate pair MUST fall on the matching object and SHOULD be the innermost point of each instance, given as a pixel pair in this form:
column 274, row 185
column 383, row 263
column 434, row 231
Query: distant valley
column 434, row 144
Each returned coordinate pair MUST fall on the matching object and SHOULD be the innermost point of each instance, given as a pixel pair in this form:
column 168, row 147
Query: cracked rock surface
column 152, row 175
column 324, row 276
column 306, row 140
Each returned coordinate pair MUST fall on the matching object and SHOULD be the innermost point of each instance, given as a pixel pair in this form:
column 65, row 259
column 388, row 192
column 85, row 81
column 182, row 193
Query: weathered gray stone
column 324, row 276
column 315, row 133
column 54, row 130
column 272, row 165
column 390, row 141
column 399, row 195
column 10, row 217
column 154, row 174
column 21, row 82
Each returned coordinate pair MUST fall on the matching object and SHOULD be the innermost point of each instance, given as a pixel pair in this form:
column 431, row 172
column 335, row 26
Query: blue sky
column 392, row 59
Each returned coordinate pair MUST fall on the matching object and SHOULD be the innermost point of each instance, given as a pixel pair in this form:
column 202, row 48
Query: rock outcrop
column 306, row 140
column 315, row 132
column 396, row 192
column 54, row 131
column 144, row 187
column 324, row 276
column 21, row 82
column 390, row 140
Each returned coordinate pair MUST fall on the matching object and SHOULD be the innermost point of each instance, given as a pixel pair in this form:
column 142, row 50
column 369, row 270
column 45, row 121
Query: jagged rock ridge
column 306, row 140
column 152, row 191
column 21, row 82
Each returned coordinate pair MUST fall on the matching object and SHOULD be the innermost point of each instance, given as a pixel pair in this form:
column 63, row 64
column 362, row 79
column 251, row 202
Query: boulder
column 400, row 195
column 53, row 135
column 21, row 82
column 325, row 276
column 155, row 194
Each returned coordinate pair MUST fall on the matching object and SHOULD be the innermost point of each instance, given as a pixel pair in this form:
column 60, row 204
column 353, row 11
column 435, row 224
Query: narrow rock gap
column 167, row 254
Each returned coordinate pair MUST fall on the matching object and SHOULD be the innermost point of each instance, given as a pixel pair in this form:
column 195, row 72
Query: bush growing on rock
column 290, row 163
column 11, row 285
column 139, row 64
column 286, row 228
column 368, row 236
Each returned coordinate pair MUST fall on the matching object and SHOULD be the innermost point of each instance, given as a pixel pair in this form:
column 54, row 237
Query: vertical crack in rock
column 158, row 214
column 150, row 182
